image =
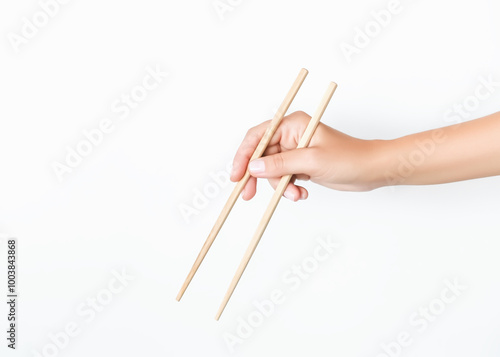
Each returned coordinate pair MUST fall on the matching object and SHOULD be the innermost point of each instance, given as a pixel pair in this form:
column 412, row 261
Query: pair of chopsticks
column 280, row 189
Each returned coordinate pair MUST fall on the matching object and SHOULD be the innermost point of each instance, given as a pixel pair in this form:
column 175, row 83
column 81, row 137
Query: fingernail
column 289, row 195
column 256, row 166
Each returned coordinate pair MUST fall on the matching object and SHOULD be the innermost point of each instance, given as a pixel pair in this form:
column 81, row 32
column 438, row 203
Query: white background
column 120, row 208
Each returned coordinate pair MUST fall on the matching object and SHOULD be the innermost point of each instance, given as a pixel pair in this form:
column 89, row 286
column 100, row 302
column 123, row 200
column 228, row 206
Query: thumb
column 296, row 161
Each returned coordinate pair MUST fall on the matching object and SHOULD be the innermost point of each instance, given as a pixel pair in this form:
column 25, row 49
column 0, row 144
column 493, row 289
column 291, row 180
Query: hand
column 333, row 159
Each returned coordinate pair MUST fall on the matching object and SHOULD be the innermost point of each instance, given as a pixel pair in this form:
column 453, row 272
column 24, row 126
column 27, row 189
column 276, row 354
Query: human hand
column 332, row 159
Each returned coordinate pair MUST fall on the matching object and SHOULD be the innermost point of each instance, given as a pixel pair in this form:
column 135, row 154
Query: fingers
column 298, row 161
column 275, row 163
column 292, row 125
column 293, row 192
column 250, row 189
column 246, row 150
column 272, row 149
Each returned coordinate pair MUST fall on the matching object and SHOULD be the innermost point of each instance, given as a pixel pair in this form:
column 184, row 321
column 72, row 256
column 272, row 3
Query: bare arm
column 459, row 152
column 336, row 160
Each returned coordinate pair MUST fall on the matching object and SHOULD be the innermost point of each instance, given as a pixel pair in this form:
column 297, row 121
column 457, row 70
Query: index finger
column 248, row 148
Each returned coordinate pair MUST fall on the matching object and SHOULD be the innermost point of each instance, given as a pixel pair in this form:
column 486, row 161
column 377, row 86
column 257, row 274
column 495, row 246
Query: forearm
column 459, row 152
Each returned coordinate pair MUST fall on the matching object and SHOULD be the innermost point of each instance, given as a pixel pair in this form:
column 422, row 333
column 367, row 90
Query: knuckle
column 298, row 119
column 250, row 133
column 301, row 115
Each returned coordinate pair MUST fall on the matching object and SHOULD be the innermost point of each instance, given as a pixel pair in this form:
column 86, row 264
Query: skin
column 335, row 160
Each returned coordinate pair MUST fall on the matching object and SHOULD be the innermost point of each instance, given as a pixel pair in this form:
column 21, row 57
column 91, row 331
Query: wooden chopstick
column 261, row 147
column 280, row 189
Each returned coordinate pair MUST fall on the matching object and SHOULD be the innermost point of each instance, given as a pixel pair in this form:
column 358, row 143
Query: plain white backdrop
column 120, row 207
